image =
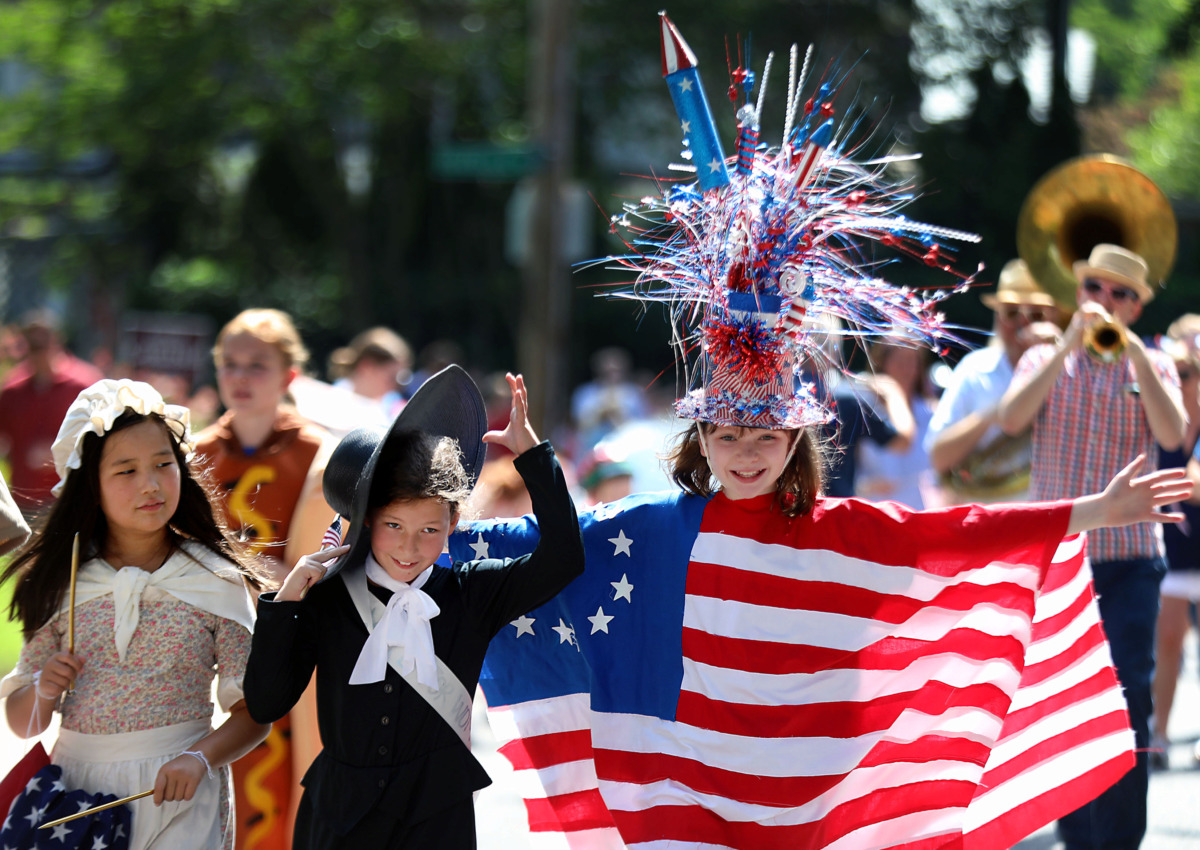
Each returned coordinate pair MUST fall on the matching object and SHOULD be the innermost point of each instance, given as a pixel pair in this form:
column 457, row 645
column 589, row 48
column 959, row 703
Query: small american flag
column 333, row 534
column 863, row 677
column 46, row 799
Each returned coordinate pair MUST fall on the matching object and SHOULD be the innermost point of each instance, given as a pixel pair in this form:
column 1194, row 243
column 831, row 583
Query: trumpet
column 1105, row 340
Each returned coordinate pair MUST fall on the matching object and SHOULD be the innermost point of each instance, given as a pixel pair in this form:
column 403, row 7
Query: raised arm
column 1162, row 405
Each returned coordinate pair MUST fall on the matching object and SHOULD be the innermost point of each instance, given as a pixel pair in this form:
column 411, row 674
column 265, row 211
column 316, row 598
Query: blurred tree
column 254, row 152
column 207, row 155
column 1146, row 107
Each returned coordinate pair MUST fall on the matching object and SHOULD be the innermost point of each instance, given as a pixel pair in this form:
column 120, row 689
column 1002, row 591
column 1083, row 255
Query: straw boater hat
column 447, row 405
column 1112, row 262
column 1017, row 286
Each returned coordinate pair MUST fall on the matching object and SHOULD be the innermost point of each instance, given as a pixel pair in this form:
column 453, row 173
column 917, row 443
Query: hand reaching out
column 519, row 437
column 1128, row 500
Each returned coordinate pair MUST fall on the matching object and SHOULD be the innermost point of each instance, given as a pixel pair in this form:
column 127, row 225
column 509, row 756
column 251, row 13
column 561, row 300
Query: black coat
column 389, row 760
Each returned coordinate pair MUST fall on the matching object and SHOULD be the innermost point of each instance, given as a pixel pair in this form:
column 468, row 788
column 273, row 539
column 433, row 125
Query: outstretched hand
column 519, row 437
column 1128, row 499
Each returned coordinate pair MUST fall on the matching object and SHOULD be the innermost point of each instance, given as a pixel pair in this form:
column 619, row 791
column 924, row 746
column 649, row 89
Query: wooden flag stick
column 74, row 573
column 93, row 811
column 71, row 606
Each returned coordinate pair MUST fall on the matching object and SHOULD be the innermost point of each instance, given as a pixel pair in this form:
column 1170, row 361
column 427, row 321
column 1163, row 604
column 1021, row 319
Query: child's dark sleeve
column 535, row 578
column 282, row 657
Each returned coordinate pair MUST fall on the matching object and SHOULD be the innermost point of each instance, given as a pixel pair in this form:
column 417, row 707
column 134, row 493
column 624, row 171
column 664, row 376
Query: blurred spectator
column 608, row 400
column 865, row 407
column 500, row 492
column 1181, row 587
column 268, row 463
column 904, row 477
column 33, row 402
column 497, row 399
column 13, row 528
column 377, row 364
column 435, row 357
column 642, row 443
column 12, row 349
column 604, row 478
column 976, row 461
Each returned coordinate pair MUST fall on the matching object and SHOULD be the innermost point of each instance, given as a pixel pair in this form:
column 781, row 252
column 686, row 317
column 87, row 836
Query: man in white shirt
column 974, row 459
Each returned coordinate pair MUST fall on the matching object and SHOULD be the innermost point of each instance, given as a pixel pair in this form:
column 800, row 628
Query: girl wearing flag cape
column 751, row 664
column 397, row 639
column 160, row 605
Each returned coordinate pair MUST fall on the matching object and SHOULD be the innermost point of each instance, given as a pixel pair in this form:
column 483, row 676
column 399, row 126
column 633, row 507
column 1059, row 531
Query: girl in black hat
column 397, row 639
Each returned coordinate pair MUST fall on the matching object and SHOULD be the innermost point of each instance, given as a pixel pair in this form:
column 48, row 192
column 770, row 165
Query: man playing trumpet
column 1098, row 400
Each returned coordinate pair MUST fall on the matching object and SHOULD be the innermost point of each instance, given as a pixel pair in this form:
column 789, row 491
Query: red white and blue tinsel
column 757, row 257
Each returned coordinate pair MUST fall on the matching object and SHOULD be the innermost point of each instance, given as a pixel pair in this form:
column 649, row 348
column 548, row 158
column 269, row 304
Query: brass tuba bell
column 1087, row 201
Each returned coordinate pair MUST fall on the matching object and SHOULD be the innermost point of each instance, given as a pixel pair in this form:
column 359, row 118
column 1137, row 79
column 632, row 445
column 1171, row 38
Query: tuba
column 1087, row 201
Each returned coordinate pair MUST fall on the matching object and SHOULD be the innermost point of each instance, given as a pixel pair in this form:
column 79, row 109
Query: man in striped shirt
column 1092, row 413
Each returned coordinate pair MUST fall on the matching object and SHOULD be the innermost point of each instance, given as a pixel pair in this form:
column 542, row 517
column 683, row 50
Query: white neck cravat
column 404, row 625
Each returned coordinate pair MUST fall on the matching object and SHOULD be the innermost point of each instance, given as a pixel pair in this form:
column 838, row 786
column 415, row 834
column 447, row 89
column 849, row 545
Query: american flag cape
column 862, row 677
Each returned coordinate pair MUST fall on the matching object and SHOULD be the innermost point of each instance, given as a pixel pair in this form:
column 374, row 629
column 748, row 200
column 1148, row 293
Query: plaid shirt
column 1090, row 427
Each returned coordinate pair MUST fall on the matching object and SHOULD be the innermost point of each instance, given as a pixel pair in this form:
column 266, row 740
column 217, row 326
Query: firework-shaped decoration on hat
column 758, row 257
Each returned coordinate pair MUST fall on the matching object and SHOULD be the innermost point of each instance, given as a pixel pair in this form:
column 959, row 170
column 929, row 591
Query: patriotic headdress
column 758, row 257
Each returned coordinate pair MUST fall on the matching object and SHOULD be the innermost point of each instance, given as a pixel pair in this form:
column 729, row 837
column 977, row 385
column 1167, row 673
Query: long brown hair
column 797, row 489
column 43, row 567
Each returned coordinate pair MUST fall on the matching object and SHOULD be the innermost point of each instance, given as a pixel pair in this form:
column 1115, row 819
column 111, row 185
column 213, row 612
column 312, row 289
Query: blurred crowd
column 908, row 429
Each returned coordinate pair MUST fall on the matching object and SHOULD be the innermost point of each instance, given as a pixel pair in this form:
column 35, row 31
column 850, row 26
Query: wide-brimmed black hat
column 447, row 405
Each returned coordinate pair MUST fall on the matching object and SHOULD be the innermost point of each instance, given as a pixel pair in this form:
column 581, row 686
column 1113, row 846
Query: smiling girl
column 398, row 639
column 161, row 606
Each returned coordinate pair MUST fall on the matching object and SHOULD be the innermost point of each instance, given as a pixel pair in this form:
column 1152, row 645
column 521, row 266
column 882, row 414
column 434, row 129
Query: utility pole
column 546, row 308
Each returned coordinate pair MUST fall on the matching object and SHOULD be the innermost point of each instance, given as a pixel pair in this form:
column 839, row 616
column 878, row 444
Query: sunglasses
column 1185, row 374
column 1012, row 312
column 1093, row 286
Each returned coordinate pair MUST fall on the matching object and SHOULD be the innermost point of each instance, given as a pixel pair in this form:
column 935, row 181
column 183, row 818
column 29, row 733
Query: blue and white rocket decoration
column 795, row 231
column 695, row 119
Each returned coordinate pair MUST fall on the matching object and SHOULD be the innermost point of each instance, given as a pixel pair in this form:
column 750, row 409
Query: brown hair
column 416, row 465
column 797, row 489
column 273, row 327
column 43, row 567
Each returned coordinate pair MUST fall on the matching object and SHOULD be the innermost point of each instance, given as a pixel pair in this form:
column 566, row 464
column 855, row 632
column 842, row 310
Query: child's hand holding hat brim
column 308, row 571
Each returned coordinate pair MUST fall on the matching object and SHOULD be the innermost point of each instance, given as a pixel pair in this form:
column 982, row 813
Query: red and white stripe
column 829, row 700
column 333, row 535
column 548, row 742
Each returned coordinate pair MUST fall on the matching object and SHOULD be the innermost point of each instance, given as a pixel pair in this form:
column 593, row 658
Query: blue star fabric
column 46, row 799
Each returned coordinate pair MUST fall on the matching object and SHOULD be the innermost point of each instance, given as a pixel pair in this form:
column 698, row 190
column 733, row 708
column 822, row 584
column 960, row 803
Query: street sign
column 484, row 161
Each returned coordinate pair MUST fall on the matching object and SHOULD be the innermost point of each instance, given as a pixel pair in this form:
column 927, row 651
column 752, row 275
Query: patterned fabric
column 168, row 671
column 47, row 799
column 1091, row 426
column 865, row 676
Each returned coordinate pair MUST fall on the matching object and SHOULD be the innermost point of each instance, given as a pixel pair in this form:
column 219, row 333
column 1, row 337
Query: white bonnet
column 96, row 408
